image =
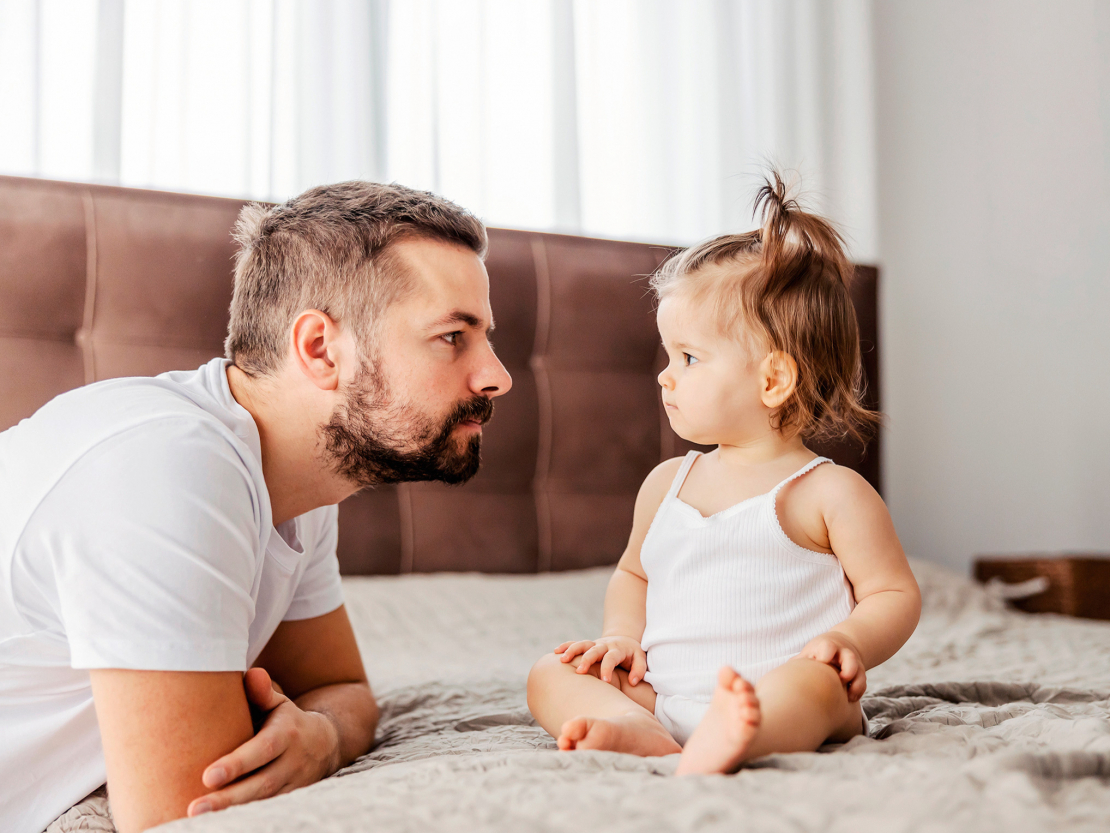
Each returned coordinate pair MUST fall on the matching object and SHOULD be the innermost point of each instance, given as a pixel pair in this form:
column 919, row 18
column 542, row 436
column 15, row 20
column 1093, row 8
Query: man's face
column 415, row 409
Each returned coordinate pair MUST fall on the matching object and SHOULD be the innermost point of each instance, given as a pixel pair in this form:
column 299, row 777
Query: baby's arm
column 888, row 601
column 626, row 597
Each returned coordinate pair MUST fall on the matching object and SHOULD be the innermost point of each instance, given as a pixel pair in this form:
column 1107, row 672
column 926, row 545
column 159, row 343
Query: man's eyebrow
column 462, row 317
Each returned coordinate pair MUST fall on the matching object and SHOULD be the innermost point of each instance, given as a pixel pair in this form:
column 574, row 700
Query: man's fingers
column 260, row 750
column 260, row 690
column 262, row 784
column 639, row 667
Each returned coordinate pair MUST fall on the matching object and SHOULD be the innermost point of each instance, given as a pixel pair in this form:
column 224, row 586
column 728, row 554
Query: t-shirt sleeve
column 320, row 589
column 153, row 536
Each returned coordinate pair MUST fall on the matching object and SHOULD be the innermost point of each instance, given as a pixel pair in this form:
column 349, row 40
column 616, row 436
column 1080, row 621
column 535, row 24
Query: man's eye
column 452, row 338
column 687, row 359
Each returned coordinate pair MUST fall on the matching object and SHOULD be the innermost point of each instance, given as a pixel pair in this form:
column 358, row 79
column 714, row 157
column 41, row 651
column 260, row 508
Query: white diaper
column 679, row 715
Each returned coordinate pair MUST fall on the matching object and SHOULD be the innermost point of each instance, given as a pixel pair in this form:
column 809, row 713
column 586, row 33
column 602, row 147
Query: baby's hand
column 837, row 650
column 612, row 651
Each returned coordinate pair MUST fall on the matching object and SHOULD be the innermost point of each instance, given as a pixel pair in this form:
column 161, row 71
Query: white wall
column 993, row 123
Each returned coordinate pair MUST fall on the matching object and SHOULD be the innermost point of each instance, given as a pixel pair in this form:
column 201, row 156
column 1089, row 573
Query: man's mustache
column 479, row 409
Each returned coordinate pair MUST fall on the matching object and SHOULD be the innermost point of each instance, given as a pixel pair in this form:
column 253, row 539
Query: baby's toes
column 573, row 731
column 753, row 714
column 728, row 679
column 743, row 687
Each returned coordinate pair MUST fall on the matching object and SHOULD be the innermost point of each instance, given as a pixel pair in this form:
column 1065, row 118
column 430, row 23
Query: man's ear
column 779, row 376
column 318, row 349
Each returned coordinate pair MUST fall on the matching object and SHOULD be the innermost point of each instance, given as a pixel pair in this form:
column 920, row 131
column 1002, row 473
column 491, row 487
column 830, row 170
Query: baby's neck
column 768, row 448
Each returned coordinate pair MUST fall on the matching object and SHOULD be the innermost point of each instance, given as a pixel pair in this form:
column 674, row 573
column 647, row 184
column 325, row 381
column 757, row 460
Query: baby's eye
column 687, row 359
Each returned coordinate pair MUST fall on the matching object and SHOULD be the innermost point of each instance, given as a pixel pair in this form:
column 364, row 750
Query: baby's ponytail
column 789, row 282
column 789, row 233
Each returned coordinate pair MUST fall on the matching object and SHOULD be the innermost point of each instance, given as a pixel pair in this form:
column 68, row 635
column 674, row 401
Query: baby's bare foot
column 637, row 734
column 727, row 731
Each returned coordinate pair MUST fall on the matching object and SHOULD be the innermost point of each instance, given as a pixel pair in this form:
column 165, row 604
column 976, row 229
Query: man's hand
column 294, row 748
column 612, row 651
column 838, row 651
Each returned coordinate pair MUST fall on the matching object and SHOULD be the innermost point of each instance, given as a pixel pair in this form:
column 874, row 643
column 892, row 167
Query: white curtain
column 642, row 119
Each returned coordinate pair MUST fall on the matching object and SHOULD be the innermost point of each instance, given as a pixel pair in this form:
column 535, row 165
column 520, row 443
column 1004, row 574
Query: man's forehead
column 449, row 284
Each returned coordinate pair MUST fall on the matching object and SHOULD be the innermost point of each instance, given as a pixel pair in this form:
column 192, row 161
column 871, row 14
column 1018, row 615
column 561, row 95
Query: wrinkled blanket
column 988, row 719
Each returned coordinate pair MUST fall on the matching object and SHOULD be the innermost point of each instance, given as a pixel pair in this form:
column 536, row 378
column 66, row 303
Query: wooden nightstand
column 1077, row 584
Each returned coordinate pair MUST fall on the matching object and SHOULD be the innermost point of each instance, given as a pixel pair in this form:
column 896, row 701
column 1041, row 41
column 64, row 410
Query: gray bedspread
column 986, row 720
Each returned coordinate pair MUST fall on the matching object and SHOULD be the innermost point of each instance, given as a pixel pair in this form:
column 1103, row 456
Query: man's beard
column 363, row 438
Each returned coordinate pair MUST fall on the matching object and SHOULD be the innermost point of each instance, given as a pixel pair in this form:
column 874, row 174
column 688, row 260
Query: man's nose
column 491, row 379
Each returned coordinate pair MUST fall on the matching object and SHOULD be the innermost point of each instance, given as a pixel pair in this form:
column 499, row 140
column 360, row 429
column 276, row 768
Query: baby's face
column 711, row 384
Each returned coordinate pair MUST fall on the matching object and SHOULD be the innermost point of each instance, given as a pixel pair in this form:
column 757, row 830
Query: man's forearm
column 353, row 712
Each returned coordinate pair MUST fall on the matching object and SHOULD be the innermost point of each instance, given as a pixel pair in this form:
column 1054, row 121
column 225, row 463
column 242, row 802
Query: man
column 159, row 537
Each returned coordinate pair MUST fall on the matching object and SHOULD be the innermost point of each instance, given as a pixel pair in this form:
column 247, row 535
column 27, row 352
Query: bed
column 988, row 719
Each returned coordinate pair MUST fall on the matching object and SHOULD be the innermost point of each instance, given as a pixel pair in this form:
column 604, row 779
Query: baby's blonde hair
column 786, row 283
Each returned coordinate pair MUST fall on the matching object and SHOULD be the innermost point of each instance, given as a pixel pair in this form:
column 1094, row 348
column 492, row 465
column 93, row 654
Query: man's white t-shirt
column 135, row 532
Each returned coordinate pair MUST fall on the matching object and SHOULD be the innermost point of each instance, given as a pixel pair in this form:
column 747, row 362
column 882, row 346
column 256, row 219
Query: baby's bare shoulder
column 658, row 482
column 832, row 487
column 665, row 472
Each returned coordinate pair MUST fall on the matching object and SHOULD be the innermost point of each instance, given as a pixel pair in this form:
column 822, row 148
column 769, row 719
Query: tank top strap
column 808, row 467
column 683, row 470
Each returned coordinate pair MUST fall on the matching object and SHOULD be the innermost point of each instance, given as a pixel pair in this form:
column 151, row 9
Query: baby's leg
column 795, row 708
column 584, row 712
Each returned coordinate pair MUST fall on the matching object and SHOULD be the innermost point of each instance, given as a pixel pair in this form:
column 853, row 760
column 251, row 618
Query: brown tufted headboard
column 98, row 282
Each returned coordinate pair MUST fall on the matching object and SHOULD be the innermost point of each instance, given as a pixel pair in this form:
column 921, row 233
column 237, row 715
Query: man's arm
column 160, row 729
column 317, row 665
column 167, row 733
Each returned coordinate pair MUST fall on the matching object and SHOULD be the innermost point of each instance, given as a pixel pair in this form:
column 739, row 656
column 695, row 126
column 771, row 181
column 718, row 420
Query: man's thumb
column 260, row 689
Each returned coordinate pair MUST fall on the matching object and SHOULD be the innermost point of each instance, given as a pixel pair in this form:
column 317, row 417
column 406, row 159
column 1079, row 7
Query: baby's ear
column 779, row 375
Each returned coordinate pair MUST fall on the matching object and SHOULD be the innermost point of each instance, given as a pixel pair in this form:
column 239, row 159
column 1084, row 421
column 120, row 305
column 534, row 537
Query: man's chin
column 461, row 468
column 453, row 466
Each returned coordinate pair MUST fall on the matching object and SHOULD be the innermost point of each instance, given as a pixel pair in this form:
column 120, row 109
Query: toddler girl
column 760, row 580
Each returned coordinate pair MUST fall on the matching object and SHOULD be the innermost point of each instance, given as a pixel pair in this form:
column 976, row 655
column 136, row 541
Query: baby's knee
column 820, row 681
column 543, row 668
column 828, row 688
column 548, row 668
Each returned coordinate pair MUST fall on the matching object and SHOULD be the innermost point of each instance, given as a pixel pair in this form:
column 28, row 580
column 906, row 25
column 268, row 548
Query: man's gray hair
column 329, row 249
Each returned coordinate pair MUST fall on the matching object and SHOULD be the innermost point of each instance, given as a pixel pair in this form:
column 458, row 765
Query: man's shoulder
column 121, row 413
column 147, row 429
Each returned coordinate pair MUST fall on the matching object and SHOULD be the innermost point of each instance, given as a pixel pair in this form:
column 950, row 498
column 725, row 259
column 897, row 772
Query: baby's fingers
column 573, row 649
column 857, row 687
column 639, row 667
column 850, row 666
column 590, row 657
column 610, row 661
column 822, row 651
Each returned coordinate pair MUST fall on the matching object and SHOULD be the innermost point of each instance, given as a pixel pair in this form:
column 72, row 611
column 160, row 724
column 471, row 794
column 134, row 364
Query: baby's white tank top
column 731, row 589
